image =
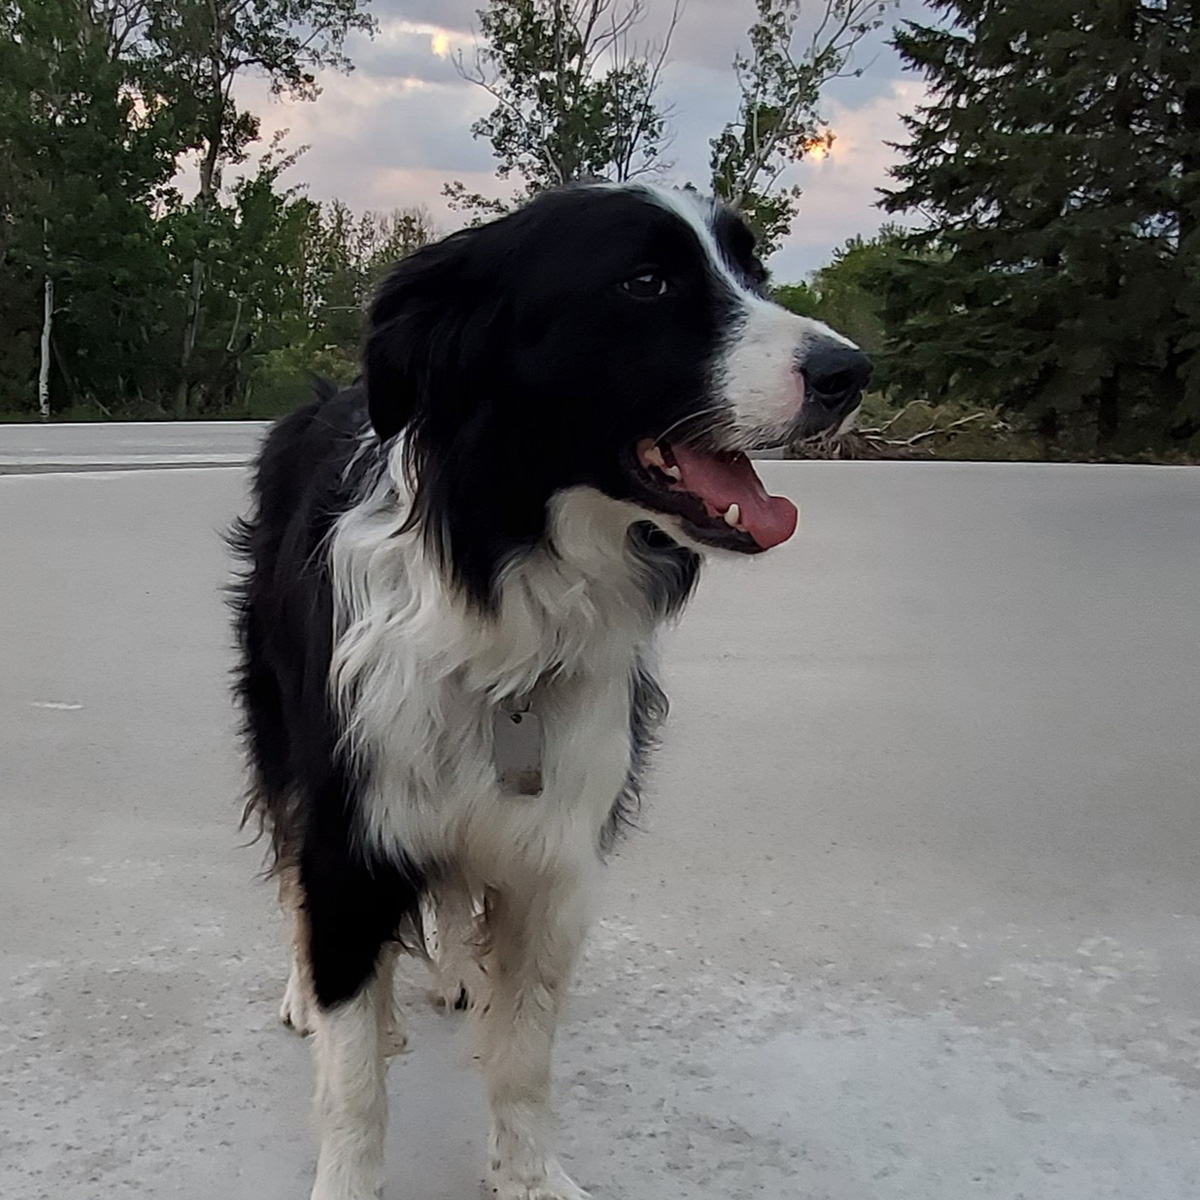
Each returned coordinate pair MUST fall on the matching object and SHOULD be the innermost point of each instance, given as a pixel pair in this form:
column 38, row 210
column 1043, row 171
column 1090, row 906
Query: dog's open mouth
column 717, row 495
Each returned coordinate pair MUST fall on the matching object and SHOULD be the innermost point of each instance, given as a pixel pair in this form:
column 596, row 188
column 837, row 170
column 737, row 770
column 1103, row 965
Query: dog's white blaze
column 757, row 375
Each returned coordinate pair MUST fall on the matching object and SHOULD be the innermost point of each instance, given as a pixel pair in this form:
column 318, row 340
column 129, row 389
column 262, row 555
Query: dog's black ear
column 417, row 323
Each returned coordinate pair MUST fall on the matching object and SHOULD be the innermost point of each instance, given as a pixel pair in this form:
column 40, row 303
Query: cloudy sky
column 391, row 132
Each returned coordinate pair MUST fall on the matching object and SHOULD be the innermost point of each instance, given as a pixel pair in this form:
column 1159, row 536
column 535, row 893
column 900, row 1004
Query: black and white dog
column 456, row 569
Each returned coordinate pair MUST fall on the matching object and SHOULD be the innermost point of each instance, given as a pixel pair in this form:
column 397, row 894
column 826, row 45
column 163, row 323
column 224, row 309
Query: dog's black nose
column 835, row 374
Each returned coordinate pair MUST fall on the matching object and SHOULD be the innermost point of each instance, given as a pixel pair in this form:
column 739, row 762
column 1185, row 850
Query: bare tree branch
column 575, row 96
column 778, row 119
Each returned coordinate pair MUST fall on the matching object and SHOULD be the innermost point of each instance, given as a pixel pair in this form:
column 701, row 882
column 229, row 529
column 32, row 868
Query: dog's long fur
column 471, row 525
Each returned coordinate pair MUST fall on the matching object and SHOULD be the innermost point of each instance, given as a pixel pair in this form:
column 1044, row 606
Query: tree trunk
column 1047, row 431
column 208, row 188
column 212, row 153
column 47, row 329
column 190, row 330
column 1182, row 373
column 1108, row 409
column 1189, row 195
column 1108, row 394
column 1125, row 102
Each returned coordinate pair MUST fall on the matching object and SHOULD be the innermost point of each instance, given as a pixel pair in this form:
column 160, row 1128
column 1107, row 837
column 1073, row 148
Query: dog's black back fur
column 303, row 788
column 311, row 469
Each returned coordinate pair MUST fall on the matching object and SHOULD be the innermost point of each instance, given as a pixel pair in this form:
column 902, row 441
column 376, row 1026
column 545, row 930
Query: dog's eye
column 647, row 286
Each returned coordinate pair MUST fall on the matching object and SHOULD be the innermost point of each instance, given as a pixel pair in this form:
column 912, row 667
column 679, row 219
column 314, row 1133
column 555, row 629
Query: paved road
column 34, row 449
column 135, row 445
column 915, row 914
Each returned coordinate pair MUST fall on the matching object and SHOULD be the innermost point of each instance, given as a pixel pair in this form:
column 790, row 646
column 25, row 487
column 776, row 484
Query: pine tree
column 1058, row 163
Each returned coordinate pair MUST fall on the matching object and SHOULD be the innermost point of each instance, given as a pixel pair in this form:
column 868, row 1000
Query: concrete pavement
column 914, row 915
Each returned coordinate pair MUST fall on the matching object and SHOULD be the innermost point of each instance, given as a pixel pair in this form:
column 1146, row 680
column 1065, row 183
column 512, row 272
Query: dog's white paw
column 342, row 1189
column 298, row 1010
column 339, row 1192
column 343, row 1173
column 551, row 1182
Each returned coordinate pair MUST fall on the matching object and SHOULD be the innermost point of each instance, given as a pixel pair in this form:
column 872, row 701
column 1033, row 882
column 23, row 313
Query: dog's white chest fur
column 419, row 678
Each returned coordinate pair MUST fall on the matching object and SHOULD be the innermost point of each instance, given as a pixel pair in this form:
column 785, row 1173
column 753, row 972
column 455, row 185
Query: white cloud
column 840, row 190
column 394, row 130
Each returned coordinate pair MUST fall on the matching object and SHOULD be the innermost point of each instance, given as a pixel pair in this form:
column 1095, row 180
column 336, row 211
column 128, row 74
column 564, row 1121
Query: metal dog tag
column 517, row 748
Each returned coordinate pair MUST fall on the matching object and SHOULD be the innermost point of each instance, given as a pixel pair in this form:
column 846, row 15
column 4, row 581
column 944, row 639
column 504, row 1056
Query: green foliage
column 81, row 163
column 337, row 260
column 800, row 298
column 575, row 97
column 281, row 375
column 845, row 294
column 161, row 304
column 197, row 49
column 253, row 299
column 345, row 258
column 1058, row 161
column 778, row 121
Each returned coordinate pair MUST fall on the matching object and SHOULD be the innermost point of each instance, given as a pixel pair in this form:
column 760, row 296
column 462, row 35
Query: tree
column 778, row 119
column 843, row 293
column 849, row 300
column 1058, row 165
column 98, row 249
column 256, row 277
column 334, row 261
column 201, row 47
column 800, row 298
column 82, row 158
column 576, row 95
column 346, row 258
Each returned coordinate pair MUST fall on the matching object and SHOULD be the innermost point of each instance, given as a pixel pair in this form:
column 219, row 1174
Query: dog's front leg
column 350, row 1044
column 534, row 933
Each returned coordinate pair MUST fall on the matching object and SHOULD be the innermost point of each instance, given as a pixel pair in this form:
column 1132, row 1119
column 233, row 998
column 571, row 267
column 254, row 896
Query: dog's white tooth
column 654, row 457
column 733, row 514
column 674, row 472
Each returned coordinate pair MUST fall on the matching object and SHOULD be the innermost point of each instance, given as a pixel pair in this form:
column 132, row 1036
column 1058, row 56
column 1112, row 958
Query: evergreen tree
column 1058, row 162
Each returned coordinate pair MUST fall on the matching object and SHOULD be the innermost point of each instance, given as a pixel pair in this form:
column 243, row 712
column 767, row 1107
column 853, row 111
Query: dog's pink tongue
column 725, row 479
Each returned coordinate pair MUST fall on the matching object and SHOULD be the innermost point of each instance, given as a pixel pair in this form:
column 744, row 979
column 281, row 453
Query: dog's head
column 611, row 337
